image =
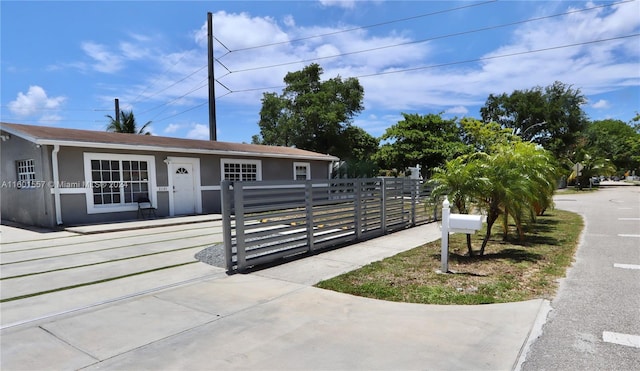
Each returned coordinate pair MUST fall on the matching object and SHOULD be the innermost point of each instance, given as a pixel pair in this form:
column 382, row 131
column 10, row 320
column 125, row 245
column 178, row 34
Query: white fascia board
column 173, row 149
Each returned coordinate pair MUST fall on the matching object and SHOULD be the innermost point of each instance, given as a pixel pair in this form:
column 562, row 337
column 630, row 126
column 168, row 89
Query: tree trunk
column 505, row 225
column 491, row 218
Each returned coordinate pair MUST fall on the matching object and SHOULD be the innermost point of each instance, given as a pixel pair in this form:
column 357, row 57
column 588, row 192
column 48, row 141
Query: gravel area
column 213, row 255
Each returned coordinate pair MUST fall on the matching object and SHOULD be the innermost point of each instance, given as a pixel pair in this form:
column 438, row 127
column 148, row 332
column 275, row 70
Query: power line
column 185, row 111
column 470, row 60
column 489, row 28
column 362, row 27
column 175, row 83
column 231, row 91
column 229, row 71
column 166, row 105
column 184, row 95
column 135, row 100
column 177, row 98
column 503, row 55
column 295, row 40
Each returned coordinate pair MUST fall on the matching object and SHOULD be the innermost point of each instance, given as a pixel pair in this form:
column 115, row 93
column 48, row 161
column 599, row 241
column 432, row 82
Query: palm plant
column 457, row 180
column 517, row 182
column 591, row 166
column 127, row 124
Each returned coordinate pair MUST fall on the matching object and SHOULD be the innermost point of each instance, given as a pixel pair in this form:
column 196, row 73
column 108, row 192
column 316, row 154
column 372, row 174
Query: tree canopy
column 127, row 124
column 426, row 140
column 614, row 140
column 312, row 114
column 550, row 116
column 483, row 136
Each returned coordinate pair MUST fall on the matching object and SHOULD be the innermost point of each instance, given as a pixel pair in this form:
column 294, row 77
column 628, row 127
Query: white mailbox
column 465, row 223
column 461, row 223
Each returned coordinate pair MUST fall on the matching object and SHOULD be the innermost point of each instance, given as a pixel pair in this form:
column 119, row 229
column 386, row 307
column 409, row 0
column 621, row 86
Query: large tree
column 613, row 140
column 426, row 140
column 358, row 148
column 126, row 123
column 311, row 114
column 483, row 136
column 550, row 116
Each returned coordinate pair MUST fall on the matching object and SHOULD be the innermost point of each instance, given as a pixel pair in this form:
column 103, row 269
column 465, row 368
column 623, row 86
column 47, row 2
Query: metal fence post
column 225, row 201
column 357, row 188
column 308, row 194
column 383, row 206
column 414, row 200
column 239, row 214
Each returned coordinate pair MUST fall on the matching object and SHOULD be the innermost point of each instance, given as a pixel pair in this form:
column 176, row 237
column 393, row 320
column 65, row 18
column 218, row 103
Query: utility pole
column 117, row 110
column 212, row 81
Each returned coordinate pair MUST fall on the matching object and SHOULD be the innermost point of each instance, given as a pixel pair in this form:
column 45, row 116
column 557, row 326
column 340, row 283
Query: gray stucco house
column 54, row 176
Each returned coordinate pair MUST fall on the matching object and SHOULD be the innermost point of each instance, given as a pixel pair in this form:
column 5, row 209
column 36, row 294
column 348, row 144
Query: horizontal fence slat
column 269, row 220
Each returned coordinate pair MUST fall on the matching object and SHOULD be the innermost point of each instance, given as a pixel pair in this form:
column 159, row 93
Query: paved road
column 595, row 320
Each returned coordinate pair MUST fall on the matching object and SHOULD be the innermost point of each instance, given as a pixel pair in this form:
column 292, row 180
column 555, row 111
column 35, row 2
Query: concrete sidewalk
column 275, row 319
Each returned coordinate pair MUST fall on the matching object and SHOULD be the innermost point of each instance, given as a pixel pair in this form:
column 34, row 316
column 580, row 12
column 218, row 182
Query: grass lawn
column 509, row 271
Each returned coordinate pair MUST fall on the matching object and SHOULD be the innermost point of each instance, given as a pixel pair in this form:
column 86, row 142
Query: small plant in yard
column 510, row 270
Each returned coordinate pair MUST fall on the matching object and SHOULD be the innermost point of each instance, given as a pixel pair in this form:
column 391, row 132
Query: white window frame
column 111, row 208
column 26, row 173
column 239, row 161
column 306, row 165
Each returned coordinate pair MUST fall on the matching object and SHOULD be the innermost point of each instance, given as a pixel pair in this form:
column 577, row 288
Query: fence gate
column 268, row 220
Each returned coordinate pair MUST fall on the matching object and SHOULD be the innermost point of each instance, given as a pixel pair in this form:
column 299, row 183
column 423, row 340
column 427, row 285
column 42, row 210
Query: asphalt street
column 594, row 323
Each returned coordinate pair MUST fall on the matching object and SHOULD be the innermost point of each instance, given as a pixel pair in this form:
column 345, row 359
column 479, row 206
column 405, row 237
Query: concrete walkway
column 275, row 319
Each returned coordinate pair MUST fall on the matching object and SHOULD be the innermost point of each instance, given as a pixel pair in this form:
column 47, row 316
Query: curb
column 534, row 333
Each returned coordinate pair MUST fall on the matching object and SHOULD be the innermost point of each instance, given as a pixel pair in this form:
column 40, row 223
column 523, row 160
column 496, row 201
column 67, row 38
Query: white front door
column 184, row 192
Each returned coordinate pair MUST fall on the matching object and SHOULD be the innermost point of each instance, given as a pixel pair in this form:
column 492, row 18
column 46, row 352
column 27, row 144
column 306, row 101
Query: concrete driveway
column 46, row 273
column 194, row 316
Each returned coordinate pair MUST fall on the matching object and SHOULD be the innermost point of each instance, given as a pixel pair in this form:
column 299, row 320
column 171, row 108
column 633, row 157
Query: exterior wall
column 30, row 206
column 35, row 206
column 319, row 169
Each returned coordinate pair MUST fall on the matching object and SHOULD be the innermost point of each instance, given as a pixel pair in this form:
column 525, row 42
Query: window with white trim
column 301, row 171
column 26, row 171
column 117, row 181
column 241, row 170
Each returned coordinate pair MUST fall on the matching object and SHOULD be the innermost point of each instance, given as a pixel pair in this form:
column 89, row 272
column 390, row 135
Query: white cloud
column 36, row 103
column 113, row 59
column 592, row 67
column 289, row 21
column 256, row 30
column 347, row 4
column 133, row 51
column 458, row 110
column 198, row 131
column 601, row 104
column 106, row 61
column 172, row 128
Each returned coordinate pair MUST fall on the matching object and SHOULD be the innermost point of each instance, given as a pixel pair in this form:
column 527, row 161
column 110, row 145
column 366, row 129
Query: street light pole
column 530, row 127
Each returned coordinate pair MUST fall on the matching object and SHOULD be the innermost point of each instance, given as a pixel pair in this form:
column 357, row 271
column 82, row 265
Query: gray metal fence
column 269, row 220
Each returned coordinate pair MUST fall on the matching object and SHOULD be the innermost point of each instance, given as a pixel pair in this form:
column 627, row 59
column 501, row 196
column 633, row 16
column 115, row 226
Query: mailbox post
column 460, row 223
column 444, row 250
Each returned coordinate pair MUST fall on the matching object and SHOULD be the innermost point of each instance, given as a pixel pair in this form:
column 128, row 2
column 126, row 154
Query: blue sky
column 63, row 63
